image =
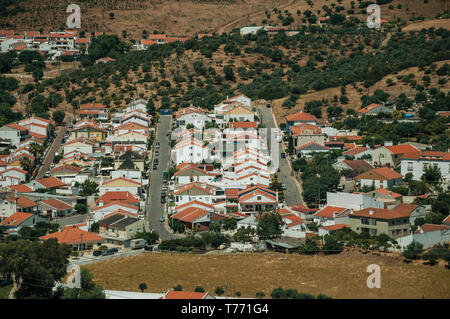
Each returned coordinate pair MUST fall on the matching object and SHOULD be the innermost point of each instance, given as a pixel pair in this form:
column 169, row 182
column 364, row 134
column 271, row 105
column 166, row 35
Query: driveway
column 154, row 208
column 286, row 174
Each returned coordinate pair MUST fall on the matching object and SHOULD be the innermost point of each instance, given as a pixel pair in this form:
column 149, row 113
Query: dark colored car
column 163, row 199
column 283, row 155
column 97, row 253
column 108, row 252
column 155, row 161
column 155, row 167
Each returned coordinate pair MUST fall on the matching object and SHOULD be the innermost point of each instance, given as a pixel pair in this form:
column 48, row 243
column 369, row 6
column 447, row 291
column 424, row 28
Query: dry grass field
column 188, row 17
column 338, row 276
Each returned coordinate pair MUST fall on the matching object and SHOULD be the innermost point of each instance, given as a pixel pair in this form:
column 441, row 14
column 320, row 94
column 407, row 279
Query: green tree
column 89, row 188
column 142, row 286
column 58, row 116
column 219, row 291
column 150, row 237
column 432, row 175
column 229, row 74
column 310, row 247
column 413, row 250
column 80, row 208
column 88, row 289
column 199, row 289
column 269, row 225
column 178, row 288
column 260, row 295
column 36, row 266
column 332, row 246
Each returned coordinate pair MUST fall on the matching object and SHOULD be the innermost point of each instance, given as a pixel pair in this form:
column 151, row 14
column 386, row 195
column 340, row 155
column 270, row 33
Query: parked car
column 163, row 199
column 97, row 253
column 47, row 174
column 283, row 187
column 162, row 219
column 157, row 153
column 340, row 188
column 155, row 167
column 108, row 252
column 155, row 161
column 283, row 155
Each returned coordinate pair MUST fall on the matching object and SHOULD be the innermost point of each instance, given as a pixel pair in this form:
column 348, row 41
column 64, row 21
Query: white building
column 416, row 165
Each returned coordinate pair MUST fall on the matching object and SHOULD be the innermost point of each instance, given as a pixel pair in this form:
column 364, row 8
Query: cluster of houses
column 222, row 165
column 56, row 44
column 107, row 149
column 22, row 139
column 369, row 173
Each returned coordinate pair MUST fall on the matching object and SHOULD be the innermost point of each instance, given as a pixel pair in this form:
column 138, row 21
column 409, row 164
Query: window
column 410, row 166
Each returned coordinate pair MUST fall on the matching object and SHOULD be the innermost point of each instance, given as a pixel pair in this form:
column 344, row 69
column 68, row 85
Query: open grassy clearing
column 338, row 276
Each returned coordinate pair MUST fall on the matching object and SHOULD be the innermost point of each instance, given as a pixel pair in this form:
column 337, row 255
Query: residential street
column 294, row 191
column 53, row 149
column 154, row 208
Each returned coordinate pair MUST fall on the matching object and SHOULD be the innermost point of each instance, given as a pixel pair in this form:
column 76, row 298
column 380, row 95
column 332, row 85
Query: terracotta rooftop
column 73, row 235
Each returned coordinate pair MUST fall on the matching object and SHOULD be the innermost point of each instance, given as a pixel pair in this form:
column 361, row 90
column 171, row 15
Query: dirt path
column 229, row 25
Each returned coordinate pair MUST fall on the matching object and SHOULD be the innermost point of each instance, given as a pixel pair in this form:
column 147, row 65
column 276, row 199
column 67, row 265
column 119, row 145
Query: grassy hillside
column 192, row 16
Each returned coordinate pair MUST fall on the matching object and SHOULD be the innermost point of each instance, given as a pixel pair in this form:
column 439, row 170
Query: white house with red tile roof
column 14, row 133
column 12, row 176
column 20, row 188
column 392, row 155
column 190, row 150
column 62, row 40
column 46, row 183
column 238, row 112
column 18, row 220
column 195, row 191
column 381, row 177
column 36, row 125
column 416, row 164
column 374, row 109
column 192, row 217
column 191, row 173
column 310, row 148
column 331, row 215
column 304, row 133
column 80, row 144
column 122, row 197
column 192, row 115
column 121, row 185
column 136, row 117
column 69, row 174
column 358, row 152
column 428, row 235
column 55, row 208
column 300, row 117
column 195, row 203
column 101, row 211
column 257, row 198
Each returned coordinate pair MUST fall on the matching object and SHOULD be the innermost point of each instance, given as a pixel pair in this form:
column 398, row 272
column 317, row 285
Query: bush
column 332, row 246
column 413, row 251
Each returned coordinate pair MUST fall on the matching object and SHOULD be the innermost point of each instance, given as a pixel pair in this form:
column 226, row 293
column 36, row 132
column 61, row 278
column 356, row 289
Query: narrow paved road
column 154, row 208
column 285, row 176
column 45, row 166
